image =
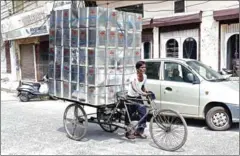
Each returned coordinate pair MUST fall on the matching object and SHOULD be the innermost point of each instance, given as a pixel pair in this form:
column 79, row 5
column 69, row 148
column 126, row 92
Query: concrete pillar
column 3, row 60
column 155, row 42
column 13, row 58
column 209, row 40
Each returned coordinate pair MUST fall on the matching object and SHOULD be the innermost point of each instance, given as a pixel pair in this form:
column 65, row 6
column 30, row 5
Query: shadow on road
column 97, row 133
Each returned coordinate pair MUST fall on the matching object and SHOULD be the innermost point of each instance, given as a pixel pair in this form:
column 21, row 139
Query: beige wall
column 159, row 10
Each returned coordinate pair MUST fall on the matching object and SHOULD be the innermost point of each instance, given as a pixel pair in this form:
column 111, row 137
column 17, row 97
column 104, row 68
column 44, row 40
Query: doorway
column 232, row 51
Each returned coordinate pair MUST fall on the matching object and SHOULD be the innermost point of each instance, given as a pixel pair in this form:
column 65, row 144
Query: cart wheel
column 103, row 116
column 75, row 121
column 168, row 130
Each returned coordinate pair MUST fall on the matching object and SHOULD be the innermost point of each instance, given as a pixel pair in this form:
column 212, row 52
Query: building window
column 138, row 8
column 179, row 6
column 233, row 53
column 90, row 3
column 147, row 50
column 172, row 48
column 18, row 6
column 190, row 48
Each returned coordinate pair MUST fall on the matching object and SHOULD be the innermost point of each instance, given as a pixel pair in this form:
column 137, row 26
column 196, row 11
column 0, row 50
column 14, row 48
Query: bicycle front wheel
column 168, row 130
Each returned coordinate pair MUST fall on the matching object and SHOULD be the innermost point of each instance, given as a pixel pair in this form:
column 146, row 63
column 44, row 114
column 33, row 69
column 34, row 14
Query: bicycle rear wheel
column 168, row 130
column 75, row 122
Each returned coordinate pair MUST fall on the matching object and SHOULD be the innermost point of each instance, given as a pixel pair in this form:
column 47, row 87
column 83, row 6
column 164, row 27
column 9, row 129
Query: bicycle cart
column 168, row 128
column 92, row 57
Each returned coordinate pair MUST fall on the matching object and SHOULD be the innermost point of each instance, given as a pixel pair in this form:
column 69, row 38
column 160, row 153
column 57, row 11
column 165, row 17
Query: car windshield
column 206, row 72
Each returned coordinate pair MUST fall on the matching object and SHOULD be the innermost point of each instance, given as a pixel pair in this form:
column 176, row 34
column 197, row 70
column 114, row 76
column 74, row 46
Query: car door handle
column 168, row 89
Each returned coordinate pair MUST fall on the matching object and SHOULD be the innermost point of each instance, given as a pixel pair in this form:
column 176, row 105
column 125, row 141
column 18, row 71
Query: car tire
column 218, row 119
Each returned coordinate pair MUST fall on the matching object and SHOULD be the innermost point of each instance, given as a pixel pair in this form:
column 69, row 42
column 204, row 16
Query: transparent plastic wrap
column 102, row 38
column 138, row 40
column 96, row 57
column 137, row 55
column 112, row 19
column 96, row 95
column 130, row 39
column 121, row 21
column 111, row 57
column 121, row 39
column 86, row 49
column 130, row 21
column 96, row 76
column 97, row 17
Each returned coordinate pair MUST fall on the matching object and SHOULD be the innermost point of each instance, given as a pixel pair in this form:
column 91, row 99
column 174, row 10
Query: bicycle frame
column 125, row 103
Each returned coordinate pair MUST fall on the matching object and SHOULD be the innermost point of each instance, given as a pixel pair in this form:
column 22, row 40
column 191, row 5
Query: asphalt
column 36, row 128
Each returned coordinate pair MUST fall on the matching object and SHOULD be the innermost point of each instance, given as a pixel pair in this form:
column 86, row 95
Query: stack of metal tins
column 87, row 49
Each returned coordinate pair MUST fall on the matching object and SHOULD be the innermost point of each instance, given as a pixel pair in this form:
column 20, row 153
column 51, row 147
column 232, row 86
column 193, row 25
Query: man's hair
column 139, row 64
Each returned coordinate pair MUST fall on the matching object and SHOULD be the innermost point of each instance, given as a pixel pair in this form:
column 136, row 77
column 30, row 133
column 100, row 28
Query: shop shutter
column 27, row 62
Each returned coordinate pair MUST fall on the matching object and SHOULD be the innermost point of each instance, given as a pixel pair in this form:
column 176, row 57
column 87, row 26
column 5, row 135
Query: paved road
column 36, row 128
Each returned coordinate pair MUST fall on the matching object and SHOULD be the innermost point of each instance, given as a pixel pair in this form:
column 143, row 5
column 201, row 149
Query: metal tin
column 59, row 23
column 82, row 56
column 74, row 18
column 83, row 32
column 97, row 17
column 66, row 37
column 112, row 39
column 66, row 89
column 58, row 37
column 130, row 21
column 138, row 40
column 52, row 20
column 66, row 18
column 74, row 90
column 92, row 37
column 138, row 22
column 74, row 38
column 83, row 17
column 58, row 89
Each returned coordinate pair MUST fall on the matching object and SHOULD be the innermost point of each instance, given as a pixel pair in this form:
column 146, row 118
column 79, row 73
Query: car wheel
column 218, row 118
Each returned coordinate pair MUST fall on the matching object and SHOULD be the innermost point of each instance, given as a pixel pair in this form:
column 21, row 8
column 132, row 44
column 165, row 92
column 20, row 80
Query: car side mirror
column 193, row 79
column 190, row 77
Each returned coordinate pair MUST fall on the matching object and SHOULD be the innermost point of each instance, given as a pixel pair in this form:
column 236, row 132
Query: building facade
column 25, row 36
column 203, row 30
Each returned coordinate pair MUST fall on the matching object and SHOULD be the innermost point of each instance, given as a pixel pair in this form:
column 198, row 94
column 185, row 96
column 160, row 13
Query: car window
column 176, row 72
column 152, row 70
